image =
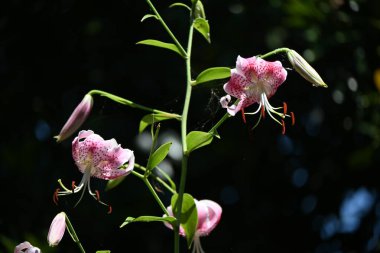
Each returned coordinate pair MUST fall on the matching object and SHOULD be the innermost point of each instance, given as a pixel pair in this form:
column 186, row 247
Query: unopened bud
column 199, row 11
column 76, row 119
column 57, row 229
column 304, row 69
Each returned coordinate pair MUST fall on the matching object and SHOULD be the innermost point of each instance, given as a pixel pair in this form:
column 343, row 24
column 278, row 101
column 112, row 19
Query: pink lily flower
column 96, row 157
column 209, row 214
column 255, row 80
column 57, row 229
column 76, row 119
column 26, row 247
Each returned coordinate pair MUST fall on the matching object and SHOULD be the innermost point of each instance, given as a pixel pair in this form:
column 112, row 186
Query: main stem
column 185, row 156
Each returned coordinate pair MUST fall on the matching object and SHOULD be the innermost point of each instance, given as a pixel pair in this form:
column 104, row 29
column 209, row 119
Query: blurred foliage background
column 315, row 189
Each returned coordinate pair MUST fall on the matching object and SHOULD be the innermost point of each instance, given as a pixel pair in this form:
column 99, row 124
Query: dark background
column 315, row 189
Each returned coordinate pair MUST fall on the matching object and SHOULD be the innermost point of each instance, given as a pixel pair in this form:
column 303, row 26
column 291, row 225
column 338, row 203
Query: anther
column 243, row 115
column 73, row 186
column 55, row 196
column 109, row 209
column 283, row 126
column 293, row 118
column 263, row 112
column 97, row 195
column 285, row 108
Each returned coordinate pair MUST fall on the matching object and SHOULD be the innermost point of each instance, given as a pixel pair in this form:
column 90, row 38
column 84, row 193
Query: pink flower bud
column 26, row 247
column 57, row 229
column 76, row 119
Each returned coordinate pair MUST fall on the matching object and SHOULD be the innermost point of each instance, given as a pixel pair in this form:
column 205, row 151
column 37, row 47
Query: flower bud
column 26, row 247
column 76, row 119
column 305, row 70
column 57, row 229
column 199, row 11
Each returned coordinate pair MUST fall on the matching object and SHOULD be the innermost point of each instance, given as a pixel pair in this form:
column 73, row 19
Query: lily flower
column 96, row 157
column 209, row 214
column 255, row 80
column 76, row 119
column 57, row 229
column 26, row 247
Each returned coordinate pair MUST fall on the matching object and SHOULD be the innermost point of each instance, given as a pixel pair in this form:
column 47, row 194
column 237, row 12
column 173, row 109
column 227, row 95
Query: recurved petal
column 209, row 214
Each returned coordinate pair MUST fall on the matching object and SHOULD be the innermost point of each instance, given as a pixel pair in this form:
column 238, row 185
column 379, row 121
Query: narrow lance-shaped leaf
column 158, row 155
column 197, row 139
column 157, row 43
column 180, row 5
column 146, row 16
column 128, row 220
column 189, row 215
column 103, row 251
column 212, row 74
column 202, row 26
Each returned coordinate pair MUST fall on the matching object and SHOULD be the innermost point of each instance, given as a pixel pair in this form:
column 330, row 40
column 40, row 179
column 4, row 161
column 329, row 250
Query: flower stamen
column 55, row 196
column 285, row 108
column 109, row 209
column 283, row 127
column 293, row 118
column 243, row 116
column 97, row 195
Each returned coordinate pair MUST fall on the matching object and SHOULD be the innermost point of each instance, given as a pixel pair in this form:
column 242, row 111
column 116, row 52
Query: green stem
column 276, row 51
column 179, row 46
column 158, row 179
column 71, row 230
column 132, row 104
column 185, row 157
column 219, row 123
column 151, row 189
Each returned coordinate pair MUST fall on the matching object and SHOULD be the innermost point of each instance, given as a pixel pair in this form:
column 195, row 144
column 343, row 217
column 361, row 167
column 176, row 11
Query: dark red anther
column 73, row 186
column 109, row 209
column 55, row 196
column 243, row 115
column 283, row 126
column 285, row 108
column 97, row 195
column 263, row 112
column 293, row 118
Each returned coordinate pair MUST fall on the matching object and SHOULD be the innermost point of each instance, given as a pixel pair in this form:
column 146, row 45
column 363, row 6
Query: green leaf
column 189, row 215
column 113, row 183
column 128, row 220
column 157, row 43
column 197, row 139
column 212, row 74
column 153, row 118
column 158, row 155
column 103, row 251
column 180, row 5
column 202, row 26
column 149, row 16
column 167, row 177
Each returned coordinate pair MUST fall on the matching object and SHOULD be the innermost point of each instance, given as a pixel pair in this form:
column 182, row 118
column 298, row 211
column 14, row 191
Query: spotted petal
column 104, row 157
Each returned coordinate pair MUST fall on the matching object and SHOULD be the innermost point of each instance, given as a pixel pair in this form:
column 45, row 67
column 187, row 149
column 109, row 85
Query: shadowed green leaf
column 157, row 43
column 189, row 215
column 212, row 74
column 197, row 139
column 202, row 26
column 148, row 219
column 103, row 251
column 113, row 183
column 158, row 155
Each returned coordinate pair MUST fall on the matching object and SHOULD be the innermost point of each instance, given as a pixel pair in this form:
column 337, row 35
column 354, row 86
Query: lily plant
column 253, row 81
